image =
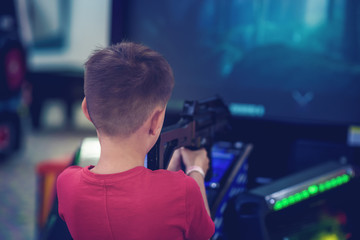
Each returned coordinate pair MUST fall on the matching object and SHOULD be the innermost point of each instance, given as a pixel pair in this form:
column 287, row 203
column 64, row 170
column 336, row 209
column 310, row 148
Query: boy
column 127, row 87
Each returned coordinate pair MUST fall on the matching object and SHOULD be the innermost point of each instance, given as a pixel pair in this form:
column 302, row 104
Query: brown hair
column 123, row 85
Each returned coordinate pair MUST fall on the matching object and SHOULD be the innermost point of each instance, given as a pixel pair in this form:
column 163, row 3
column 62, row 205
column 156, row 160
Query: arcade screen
column 281, row 60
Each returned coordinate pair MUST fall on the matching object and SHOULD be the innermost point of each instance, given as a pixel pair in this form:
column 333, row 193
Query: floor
column 18, row 178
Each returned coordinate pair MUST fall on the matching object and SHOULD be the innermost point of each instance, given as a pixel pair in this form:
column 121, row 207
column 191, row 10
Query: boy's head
column 123, row 85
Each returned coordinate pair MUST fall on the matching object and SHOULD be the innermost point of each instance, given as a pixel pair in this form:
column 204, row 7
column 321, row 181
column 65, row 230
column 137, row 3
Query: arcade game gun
column 200, row 122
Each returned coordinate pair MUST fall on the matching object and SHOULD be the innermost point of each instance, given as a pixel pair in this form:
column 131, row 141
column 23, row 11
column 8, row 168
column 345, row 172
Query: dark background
column 288, row 70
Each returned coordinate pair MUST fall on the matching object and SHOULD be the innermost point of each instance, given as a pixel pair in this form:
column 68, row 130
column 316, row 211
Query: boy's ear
column 157, row 120
column 85, row 109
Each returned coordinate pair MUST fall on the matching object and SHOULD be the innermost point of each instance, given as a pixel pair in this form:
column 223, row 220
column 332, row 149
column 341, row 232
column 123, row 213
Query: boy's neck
column 119, row 155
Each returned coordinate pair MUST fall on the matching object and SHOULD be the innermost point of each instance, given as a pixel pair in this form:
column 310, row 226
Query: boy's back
column 136, row 204
column 127, row 87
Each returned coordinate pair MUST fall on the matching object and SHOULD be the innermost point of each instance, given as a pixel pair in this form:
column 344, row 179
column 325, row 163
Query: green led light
column 328, row 185
column 278, row 206
column 322, row 187
column 345, row 178
column 338, row 180
column 305, row 194
column 285, row 202
column 334, row 182
column 313, row 189
column 291, row 199
column 298, row 197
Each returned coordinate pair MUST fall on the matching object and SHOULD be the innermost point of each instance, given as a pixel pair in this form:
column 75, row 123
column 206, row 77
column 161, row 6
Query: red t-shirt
column 135, row 204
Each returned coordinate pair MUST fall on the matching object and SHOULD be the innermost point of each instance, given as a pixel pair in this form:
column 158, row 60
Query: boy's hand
column 190, row 158
column 175, row 161
column 195, row 158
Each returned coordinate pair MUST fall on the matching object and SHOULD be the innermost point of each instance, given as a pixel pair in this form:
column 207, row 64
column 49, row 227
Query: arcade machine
column 12, row 78
column 319, row 203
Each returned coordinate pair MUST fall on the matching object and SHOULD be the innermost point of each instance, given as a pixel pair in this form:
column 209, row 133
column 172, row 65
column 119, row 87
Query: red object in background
column 47, row 173
column 4, row 137
column 15, row 68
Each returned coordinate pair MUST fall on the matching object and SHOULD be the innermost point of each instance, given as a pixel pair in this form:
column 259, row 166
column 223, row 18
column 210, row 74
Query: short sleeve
column 59, row 191
column 64, row 180
column 199, row 224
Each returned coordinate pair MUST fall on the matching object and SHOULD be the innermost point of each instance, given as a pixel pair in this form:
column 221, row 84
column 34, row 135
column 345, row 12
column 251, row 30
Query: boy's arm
column 196, row 164
column 199, row 179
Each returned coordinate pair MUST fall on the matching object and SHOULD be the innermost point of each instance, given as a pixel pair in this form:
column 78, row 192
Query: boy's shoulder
column 71, row 171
